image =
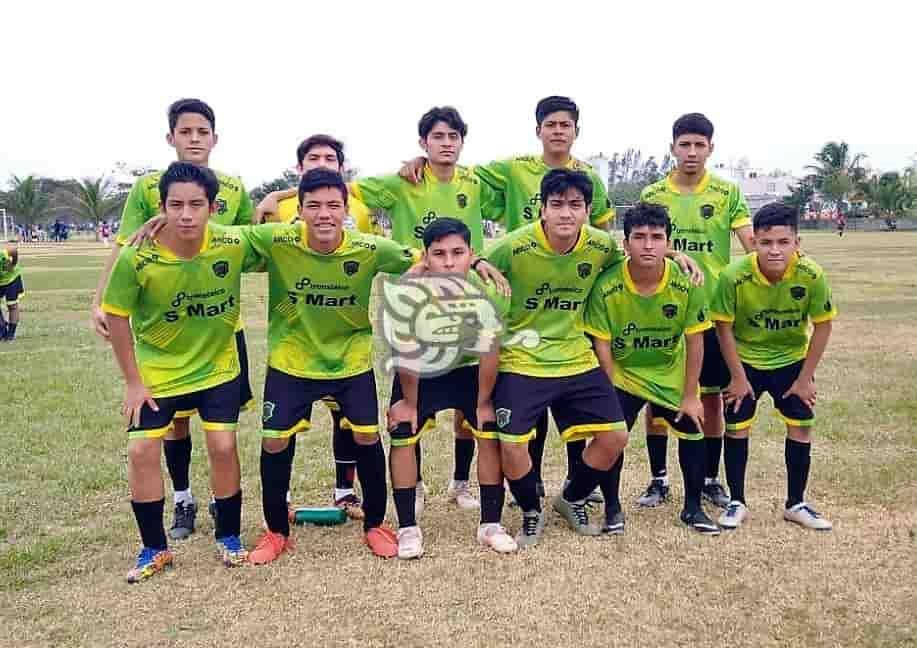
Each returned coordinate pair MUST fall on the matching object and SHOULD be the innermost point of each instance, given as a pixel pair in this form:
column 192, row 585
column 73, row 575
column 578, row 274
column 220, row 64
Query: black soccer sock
column 492, row 497
column 584, row 481
column 464, row 455
column 525, row 491
column 178, row 461
column 798, row 459
column 371, row 471
column 611, row 487
column 736, row 459
column 345, row 454
column 275, row 482
column 691, row 460
column 657, row 445
column 536, row 445
column 11, row 330
column 417, row 457
column 713, row 447
column 575, row 451
column 404, row 506
column 149, row 521
column 228, row 520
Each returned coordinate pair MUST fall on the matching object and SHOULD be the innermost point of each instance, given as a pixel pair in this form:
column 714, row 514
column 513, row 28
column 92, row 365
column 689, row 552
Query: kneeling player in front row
column 416, row 397
column 647, row 323
column 762, row 308
column 179, row 299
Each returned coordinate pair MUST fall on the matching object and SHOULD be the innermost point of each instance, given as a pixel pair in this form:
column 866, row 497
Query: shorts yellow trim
column 589, row 430
column 368, row 430
column 742, row 425
column 658, row 421
column 699, row 328
column 479, row 434
column 155, row 433
column 185, row 414
column 516, row 438
column 797, row 423
column 429, row 424
column 207, row 426
column 711, row 391
column 15, row 302
column 285, row 434
column 697, row 436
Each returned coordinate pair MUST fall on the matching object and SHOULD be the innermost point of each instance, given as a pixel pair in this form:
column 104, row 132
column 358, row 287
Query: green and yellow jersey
column 318, row 313
column 647, row 332
column 288, row 211
column 8, row 271
column 549, row 298
column 702, row 221
column 234, row 206
column 183, row 312
column 518, row 181
column 412, row 207
column 771, row 321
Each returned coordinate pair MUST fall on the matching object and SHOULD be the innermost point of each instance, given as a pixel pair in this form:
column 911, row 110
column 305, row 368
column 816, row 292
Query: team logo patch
column 797, row 292
column 503, row 417
column 701, row 317
column 706, row 211
column 630, row 328
column 351, row 268
column 670, row 310
column 221, row 206
column 584, row 270
column 221, row 268
column 267, row 411
column 462, row 200
column 828, row 306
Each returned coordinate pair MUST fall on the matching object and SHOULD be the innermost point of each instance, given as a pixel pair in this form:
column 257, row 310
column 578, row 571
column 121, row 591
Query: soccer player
column 192, row 134
column 704, row 209
column 320, row 345
column 762, row 308
column 647, row 323
column 417, row 398
column 11, row 289
column 172, row 309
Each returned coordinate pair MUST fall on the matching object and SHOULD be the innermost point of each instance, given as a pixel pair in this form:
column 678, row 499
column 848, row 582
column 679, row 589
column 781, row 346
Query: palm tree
column 27, row 199
column 888, row 195
column 93, row 199
column 836, row 173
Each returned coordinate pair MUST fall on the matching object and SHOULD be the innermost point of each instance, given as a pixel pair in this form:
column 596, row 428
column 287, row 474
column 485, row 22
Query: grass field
column 67, row 536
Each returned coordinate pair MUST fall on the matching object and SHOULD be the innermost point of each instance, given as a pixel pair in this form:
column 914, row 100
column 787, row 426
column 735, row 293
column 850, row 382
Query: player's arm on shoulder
column 495, row 174
column 136, row 211
column 97, row 317
column 392, row 257
column 377, row 192
column 267, row 207
column 260, row 240
column 246, row 212
column 602, row 214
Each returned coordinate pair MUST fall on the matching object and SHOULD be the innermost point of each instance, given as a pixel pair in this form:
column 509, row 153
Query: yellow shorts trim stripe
column 15, row 302
column 710, row 391
column 286, row 434
column 515, row 438
column 207, row 426
column 184, row 414
column 426, row 428
column 346, row 424
column 155, row 433
column 479, row 434
column 589, row 430
column 796, row 422
column 742, row 425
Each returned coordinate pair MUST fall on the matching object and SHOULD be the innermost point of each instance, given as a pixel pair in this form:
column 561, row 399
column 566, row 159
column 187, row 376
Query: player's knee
column 611, row 443
column 799, row 434
column 365, row 439
column 513, row 453
column 143, row 453
column 221, row 446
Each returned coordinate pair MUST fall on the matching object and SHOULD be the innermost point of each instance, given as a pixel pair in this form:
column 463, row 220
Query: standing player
column 704, row 209
column 11, row 289
column 192, row 134
column 762, row 308
column 172, row 309
column 646, row 320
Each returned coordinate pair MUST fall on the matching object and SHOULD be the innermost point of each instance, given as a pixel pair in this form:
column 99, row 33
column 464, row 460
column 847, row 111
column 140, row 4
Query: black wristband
column 474, row 264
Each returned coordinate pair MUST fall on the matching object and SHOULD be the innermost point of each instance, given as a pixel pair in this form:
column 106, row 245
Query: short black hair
column 776, row 214
column 320, row 178
column 319, row 140
column 692, row 124
column 557, row 181
column 647, row 214
column 443, row 227
column 182, row 106
column 187, row 172
column 446, row 114
column 554, row 104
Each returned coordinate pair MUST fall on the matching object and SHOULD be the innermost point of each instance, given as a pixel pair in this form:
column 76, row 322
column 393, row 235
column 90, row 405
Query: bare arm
column 135, row 392
column 606, row 359
column 268, row 205
column 739, row 388
column 804, row 385
column 746, row 237
column 405, row 410
column 97, row 316
column 487, row 379
column 691, row 405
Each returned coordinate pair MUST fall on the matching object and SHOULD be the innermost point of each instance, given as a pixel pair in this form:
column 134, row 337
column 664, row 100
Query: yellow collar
column 700, row 188
column 632, row 287
column 166, row 253
column 543, row 239
column 759, row 276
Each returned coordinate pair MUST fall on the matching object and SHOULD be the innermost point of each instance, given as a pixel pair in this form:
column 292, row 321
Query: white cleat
column 733, row 516
column 804, row 515
column 460, row 493
column 410, row 543
column 493, row 535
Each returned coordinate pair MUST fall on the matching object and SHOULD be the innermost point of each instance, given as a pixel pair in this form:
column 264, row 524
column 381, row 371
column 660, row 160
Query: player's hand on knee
column 402, row 412
column 693, row 408
column 136, row 395
column 737, row 391
column 804, row 390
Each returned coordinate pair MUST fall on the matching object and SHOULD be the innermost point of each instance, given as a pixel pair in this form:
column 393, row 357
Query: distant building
column 602, row 167
column 759, row 187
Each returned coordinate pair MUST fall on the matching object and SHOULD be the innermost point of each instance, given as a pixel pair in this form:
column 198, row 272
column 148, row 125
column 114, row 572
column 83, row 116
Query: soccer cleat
column 595, row 497
column 419, row 498
column 382, row 542
column 804, row 515
column 531, row 530
column 410, row 543
column 183, row 520
column 460, row 493
column 655, row 494
column 614, row 523
column 351, row 505
column 149, row 563
column 576, row 516
column 699, row 521
column 714, row 493
column 734, row 515
column 539, row 489
column 493, row 535
column 269, row 548
column 232, row 551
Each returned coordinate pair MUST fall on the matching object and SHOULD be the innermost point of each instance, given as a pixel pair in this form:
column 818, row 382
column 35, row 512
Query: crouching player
column 172, row 309
column 763, row 306
column 647, row 322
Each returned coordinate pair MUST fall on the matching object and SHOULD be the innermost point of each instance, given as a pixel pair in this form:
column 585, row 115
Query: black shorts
column 246, row 399
column 218, row 407
column 457, row 390
column 12, row 291
column 288, row 400
column 714, row 374
column 775, row 382
column 631, row 406
column 583, row 405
